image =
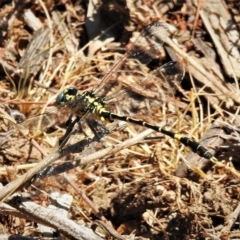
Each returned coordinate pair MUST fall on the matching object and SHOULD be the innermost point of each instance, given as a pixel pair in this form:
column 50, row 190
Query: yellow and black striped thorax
column 80, row 103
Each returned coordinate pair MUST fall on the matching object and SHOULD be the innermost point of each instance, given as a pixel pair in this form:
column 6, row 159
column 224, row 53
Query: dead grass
column 143, row 183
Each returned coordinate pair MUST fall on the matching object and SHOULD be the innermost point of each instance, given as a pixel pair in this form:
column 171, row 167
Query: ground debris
column 141, row 184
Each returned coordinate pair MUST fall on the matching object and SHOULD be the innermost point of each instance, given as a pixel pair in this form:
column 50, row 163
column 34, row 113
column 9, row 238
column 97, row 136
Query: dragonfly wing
column 145, row 48
column 166, row 78
column 38, row 124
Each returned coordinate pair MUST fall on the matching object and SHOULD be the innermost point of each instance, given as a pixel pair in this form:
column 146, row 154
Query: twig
column 51, row 218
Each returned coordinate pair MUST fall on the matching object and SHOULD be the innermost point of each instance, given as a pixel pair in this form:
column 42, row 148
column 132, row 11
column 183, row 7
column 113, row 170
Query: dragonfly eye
column 71, row 91
column 61, row 98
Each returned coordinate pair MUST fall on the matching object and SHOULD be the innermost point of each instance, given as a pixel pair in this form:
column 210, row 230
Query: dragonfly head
column 68, row 94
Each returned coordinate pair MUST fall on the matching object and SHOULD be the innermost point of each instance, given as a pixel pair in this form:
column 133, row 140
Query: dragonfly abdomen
column 193, row 145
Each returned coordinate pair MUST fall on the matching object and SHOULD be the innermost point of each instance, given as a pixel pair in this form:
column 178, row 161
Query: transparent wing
column 159, row 83
column 145, row 48
column 149, row 94
column 36, row 52
column 38, row 124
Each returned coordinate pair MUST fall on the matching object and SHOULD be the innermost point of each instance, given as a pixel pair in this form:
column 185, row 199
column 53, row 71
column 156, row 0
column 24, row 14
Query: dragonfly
column 93, row 104
column 145, row 48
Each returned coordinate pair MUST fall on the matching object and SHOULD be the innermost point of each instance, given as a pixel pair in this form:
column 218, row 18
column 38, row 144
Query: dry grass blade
column 143, row 187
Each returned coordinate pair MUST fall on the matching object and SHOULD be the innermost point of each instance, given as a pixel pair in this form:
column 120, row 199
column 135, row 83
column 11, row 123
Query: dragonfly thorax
column 80, row 102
